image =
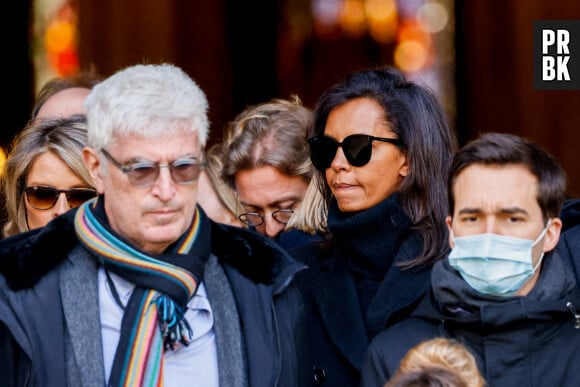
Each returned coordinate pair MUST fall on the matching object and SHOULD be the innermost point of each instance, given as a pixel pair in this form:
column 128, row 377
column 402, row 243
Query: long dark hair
column 413, row 112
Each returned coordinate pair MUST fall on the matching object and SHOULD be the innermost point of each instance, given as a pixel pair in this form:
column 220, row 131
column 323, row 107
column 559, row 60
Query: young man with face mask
column 503, row 291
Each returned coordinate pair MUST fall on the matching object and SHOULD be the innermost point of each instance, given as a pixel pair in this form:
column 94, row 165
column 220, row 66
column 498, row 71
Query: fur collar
column 26, row 257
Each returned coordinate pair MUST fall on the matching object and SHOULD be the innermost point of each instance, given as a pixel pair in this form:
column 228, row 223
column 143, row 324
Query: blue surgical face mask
column 495, row 264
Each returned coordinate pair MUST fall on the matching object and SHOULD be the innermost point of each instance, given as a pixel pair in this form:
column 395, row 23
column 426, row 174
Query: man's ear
column 552, row 235
column 93, row 164
column 449, row 221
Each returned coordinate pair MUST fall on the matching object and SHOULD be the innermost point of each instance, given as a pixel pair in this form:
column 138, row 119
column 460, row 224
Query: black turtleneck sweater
column 368, row 241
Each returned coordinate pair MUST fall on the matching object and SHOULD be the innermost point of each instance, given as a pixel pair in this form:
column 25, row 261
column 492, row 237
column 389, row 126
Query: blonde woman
column 44, row 175
column 267, row 163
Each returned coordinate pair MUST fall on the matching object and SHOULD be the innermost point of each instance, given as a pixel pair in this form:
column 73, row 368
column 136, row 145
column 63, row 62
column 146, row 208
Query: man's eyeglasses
column 44, row 197
column 357, row 149
column 254, row 219
column 145, row 173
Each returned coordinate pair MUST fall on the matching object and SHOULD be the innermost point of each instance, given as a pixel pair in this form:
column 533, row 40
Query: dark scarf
column 457, row 298
column 153, row 318
column 368, row 242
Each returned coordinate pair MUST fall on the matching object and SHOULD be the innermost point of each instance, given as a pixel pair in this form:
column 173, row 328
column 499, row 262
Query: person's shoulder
column 394, row 342
column 27, row 257
column 311, row 250
column 405, row 333
column 570, row 215
column 293, row 239
column 386, row 350
column 569, row 243
column 256, row 257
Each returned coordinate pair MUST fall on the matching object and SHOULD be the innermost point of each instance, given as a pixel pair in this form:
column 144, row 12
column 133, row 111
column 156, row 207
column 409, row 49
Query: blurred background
column 477, row 55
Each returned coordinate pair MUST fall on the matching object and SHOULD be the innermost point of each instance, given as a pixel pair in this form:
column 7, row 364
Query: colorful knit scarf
column 153, row 317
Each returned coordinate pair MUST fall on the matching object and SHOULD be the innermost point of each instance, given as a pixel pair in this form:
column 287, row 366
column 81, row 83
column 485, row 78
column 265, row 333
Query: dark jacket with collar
column 338, row 332
column 39, row 348
column 569, row 243
column 516, row 341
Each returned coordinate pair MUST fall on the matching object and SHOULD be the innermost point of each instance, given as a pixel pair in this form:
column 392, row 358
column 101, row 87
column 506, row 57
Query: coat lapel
column 230, row 346
column 78, row 287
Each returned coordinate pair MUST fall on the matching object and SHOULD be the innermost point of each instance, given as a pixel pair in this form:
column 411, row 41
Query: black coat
column 569, row 243
column 516, row 341
column 260, row 276
column 337, row 333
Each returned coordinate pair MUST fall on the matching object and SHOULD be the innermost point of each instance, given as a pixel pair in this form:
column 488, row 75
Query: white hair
column 147, row 100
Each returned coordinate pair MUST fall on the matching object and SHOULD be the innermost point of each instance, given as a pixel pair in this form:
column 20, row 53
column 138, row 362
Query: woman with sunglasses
column 381, row 146
column 44, row 175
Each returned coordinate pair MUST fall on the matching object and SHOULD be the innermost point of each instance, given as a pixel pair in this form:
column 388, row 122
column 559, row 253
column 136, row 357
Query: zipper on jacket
column 576, row 315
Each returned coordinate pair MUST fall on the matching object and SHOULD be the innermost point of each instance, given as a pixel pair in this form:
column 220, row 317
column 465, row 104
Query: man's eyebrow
column 503, row 210
column 513, row 210
column 469, row 210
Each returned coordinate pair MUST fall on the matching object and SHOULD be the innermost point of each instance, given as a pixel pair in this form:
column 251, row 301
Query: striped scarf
column 153, row 317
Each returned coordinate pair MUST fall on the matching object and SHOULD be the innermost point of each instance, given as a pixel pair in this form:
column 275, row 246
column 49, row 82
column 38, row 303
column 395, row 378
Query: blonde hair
column 65, row 137
column 310, row 216
column 275, row 134
column 214, row 165
column 437, row 362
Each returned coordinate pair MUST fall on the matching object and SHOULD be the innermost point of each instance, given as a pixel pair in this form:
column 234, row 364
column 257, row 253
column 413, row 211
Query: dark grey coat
column 516, row 341
column 50, row 331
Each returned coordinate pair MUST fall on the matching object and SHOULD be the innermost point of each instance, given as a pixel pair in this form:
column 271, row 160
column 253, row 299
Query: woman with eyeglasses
column 382, row 147
column 267, row 163
column 44, row 175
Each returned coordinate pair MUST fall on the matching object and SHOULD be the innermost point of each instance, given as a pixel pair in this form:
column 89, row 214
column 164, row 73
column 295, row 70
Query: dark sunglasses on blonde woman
column 357, row 149
column 44, row 197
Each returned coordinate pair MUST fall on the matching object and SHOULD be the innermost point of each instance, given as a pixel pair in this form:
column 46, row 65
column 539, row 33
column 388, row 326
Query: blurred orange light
column 380, row 9
column 382, row 18
column 67, row 62
column 352, row 18
column 2, row 161
column 411, row 56
column 59, row 36
column 411, row 30
column 60, row 40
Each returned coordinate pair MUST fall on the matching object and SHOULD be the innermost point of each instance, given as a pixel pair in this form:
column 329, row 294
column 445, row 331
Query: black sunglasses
column 44, row 197
column 357, row 149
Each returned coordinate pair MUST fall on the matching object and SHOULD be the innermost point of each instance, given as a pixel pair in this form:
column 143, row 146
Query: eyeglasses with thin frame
column 254, row 219
column 357, row 149
column 145, row 173
column 42, row 197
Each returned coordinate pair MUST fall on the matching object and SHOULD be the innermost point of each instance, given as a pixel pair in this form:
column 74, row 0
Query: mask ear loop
column 542, row 234
column 451, row 235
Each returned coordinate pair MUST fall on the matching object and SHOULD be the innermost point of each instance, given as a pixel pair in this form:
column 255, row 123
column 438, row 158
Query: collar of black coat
column 570, row 214
column 26, row 257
